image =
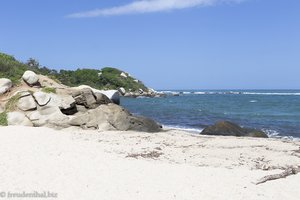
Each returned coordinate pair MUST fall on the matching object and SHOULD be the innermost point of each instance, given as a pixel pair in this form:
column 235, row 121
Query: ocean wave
column 272, row 93
column 182, row 128
column 276, row 134
column 269, row 132
column 253, row 101
column 232, row 93
column 199, row 93
column 167, row 91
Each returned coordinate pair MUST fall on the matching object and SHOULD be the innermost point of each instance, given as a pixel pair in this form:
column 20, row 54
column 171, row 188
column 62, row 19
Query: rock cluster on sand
column 226, row 128
column 83, row 107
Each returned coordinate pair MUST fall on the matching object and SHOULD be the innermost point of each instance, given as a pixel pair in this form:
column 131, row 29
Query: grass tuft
column 12, row 103
column 49, row 90
column 3, row 119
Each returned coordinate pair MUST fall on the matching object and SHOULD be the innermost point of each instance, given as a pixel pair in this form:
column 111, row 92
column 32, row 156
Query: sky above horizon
column 168, row 44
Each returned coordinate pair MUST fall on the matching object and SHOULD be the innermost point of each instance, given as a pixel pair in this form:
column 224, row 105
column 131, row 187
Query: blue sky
column 168, row 44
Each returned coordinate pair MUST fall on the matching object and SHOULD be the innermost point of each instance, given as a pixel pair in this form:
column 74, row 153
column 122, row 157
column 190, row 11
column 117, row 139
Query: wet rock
column 226, row 128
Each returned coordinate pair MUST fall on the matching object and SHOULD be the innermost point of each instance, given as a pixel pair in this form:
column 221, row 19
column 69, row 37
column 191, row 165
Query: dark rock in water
column 256, row 133
column 226, row 128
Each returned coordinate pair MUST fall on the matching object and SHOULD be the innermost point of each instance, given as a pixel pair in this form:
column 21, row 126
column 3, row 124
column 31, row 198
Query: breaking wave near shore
column 276, row 112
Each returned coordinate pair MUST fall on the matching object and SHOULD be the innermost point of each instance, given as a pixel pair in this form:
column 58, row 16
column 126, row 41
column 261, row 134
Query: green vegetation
column 12, row 103
column 11, row 68
column 106, row 78
column 111, row 79
column 79, row 77
column 49, row 90
column 3, row 119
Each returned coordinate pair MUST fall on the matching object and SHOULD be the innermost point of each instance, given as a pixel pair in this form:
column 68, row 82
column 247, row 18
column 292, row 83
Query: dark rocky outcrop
column 123, row 120
column 102, row 99
column 226, row 128
column 143, row 124
column 113, row 117
column 85, row 97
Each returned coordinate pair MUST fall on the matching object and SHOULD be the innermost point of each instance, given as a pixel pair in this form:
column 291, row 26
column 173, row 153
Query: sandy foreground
column 74, row 164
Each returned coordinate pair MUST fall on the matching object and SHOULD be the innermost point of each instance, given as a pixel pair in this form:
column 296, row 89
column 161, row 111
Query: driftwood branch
column 287, row 172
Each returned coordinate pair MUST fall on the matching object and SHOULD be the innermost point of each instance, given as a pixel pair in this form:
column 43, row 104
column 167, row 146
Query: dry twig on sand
column 287, row 172
column 152, row 154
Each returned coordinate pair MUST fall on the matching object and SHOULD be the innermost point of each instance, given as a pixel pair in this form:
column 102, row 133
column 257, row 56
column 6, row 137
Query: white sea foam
column 276, row 134
column 235, row 93
column 253, row 101
column 272, row 93
column 166, row 91
column 269, row 132
column 192, row 130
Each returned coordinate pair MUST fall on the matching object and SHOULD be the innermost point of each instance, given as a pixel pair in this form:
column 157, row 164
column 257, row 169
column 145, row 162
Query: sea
column 276, row 112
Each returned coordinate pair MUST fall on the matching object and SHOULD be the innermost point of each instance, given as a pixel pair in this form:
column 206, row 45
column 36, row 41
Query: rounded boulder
column 5, row 85
column 30, row 78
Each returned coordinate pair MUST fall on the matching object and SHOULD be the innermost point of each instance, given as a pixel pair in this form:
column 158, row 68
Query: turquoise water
column 277, row 112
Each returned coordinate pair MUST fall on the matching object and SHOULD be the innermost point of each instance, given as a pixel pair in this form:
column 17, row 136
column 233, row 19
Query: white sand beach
column 88, row 165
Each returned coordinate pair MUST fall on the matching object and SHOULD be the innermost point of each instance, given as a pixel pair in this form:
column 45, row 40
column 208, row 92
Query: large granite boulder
column 122, row 120
column 49, row 116
column 143, row 124
column 93, row 119
column 85, row 97
column 18, row 119
column 117, row 116
column 41, row 98
column 62, row 101
column 66, row 103
column 113, row 117
column 122, row 91
column 26, row 103
column 22, row 94
column 226, row 128
column 30, row 78
column 5, row 85
column 102, row 98
column 113, row 95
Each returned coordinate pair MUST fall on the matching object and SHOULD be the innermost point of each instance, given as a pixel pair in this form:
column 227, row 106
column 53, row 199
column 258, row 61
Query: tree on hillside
column 33, row 64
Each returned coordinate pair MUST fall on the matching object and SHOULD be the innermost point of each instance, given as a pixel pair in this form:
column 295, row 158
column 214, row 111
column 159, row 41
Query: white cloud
column 148, row 6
